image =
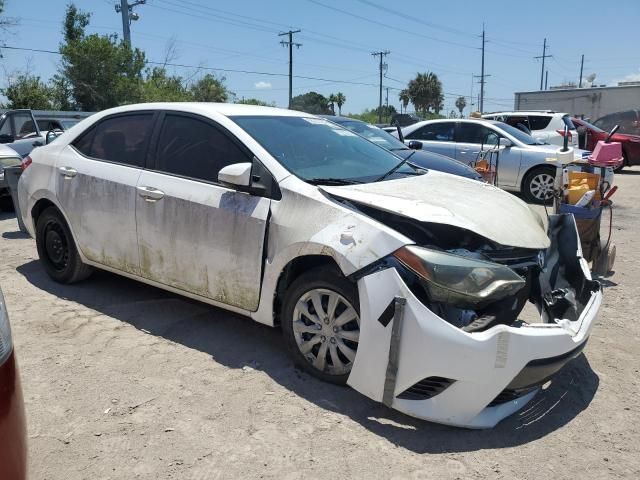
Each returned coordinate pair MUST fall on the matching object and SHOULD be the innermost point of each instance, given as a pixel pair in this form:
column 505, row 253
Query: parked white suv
column 404, row 283
column 544, row 125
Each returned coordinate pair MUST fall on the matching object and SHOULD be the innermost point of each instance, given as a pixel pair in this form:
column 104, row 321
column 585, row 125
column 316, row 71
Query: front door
column 474, row 140
column 438, row 137
column 96, row 182
column 193, row 233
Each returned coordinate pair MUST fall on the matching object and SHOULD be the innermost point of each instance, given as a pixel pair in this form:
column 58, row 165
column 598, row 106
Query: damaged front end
column 462, row 355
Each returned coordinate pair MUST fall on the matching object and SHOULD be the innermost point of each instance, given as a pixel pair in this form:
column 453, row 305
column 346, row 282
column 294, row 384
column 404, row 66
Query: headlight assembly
column 459, row 281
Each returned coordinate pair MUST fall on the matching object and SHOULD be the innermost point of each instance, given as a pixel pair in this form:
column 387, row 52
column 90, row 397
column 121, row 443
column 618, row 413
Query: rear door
column 436, row 137
column 96, row 187
column 195, row 234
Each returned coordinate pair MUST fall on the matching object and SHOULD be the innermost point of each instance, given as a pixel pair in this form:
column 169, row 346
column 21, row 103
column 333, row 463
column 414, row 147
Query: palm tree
column 332, row 102
column 425, row 92
column 404, row 98
column 340, row 100
column 461, row 102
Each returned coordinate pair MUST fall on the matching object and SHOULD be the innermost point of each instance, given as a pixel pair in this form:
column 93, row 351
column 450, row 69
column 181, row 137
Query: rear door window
column 120, row 139
column 435, row 132
column 539, row 122
column 195, row 148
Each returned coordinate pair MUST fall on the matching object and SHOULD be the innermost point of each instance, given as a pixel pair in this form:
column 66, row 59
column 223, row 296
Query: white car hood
column 448, row 199
column 577, row 153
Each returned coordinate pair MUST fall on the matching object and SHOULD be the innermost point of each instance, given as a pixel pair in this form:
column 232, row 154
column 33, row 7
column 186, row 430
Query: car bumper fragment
column 491, row 374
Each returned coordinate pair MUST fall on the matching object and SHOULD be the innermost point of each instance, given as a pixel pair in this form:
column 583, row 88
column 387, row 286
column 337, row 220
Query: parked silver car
column 522, row 163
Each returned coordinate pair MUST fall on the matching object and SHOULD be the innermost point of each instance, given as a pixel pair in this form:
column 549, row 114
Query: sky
column 239, row 41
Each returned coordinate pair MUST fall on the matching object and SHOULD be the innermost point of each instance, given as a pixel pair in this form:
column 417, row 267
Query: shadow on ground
column 234, row 341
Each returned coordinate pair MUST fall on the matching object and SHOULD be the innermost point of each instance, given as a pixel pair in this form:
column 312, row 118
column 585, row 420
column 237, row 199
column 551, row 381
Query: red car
column 588, row 136
column 13, row 438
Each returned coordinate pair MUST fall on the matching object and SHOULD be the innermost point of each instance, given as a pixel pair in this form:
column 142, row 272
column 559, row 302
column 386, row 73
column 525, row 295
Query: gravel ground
column 126, row 381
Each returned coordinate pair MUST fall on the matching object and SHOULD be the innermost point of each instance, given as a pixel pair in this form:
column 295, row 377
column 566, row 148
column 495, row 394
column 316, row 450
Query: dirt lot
column 126, row 381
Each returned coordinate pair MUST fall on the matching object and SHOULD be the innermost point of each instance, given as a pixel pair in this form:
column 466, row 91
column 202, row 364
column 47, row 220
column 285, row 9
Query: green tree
column 311, row 102
column 209, row 89
column 158, row 86
column 425, row 92
column 404, row 98
column 255, row 101
column 27, row 91
column 340, row 100
column 101, row 70
column 461, row 102
column 332, row 103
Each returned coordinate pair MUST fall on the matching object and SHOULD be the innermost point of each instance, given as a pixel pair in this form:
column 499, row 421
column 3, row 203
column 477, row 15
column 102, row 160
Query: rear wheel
column 537, row 185
column 57, row 250
column 321, row 324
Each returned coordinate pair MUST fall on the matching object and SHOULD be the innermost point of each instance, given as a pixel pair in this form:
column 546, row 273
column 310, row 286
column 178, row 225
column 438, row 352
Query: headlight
column 460, row 281
column 5, row 332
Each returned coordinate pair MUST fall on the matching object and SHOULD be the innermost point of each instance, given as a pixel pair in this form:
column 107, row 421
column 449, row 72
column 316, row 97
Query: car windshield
column 316, row 149
column 518, row 134
column 68, row 123
column 375, row 135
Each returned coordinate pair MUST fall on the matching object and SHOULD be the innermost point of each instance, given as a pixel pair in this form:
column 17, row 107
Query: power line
column 290, row 44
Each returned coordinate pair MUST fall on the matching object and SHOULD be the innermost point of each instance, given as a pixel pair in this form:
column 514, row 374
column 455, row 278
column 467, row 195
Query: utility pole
column 581, row 67
column 387, row 101
column 290, row 44
column 471, row 94
column 546, row 80
column 543, row 56
column 125, row 9
column 482, row 75
column 482, row 82
column 381, row 55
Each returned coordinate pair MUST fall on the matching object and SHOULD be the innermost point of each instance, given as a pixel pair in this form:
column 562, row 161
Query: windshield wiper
column 331, row 181
column 395, row 169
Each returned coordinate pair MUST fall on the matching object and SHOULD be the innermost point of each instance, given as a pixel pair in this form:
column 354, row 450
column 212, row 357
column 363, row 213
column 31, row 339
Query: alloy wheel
column 541, row 186
column 326, row 328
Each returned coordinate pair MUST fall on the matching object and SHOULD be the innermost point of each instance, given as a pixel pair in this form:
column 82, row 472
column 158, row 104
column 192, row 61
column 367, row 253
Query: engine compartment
column 555, row 281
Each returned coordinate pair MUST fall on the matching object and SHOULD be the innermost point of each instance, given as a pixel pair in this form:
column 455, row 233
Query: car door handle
column 150, row 194
column 68, row 172
column 467, row 151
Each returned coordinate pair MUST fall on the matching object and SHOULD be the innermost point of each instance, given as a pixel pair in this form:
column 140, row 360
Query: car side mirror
column 236, row 175
column 6, row 138
column 415, row 145
column 505, row 142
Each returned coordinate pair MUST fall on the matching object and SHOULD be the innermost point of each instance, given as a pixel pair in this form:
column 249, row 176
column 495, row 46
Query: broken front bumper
column 435, row 371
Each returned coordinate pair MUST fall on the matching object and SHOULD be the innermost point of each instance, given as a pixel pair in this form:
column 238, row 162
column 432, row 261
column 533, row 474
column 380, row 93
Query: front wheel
column 537, row 185
column 321, row 324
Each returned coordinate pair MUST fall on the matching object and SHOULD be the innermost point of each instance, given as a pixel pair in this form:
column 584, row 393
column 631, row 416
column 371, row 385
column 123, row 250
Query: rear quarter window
column 539, row 122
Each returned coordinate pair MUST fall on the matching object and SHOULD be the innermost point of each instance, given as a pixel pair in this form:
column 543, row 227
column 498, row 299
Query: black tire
column 321, row 279
column 57, row 249
column 6, row 204
column 625, row 162
column 533, row 182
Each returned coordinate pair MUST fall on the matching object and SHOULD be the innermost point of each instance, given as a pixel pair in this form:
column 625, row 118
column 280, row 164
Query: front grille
column 513, row 256
column 426, row 388
column 509, row 394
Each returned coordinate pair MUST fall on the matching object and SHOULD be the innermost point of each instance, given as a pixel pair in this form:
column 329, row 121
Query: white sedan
column 404, row 283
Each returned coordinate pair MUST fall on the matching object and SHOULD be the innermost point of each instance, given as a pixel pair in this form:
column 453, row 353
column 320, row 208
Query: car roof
column 226, row 109
column 463, row 120
column 527, row 112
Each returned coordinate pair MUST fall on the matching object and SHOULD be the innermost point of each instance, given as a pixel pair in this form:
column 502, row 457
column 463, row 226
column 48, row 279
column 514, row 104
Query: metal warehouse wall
column 588, row 102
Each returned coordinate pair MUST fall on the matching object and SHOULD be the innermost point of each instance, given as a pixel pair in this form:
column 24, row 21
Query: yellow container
column 576, row 192
column 583, row 178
